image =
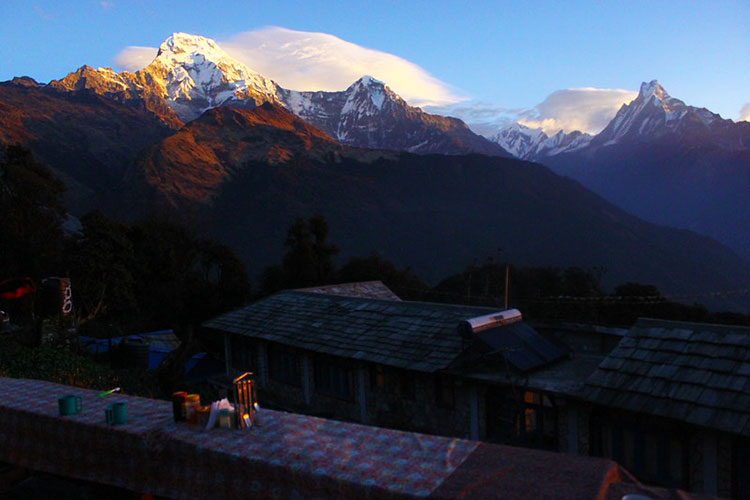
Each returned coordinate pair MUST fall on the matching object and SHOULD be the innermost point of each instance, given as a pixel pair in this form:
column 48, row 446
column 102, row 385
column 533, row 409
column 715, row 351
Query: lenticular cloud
column 302, row 60
column 585, row 109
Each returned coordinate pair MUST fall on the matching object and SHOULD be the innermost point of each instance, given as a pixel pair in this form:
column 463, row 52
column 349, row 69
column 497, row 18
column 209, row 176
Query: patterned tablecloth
column 285, row 456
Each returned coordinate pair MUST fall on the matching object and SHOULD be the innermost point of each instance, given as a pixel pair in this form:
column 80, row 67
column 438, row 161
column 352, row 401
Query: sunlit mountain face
column 192, row 74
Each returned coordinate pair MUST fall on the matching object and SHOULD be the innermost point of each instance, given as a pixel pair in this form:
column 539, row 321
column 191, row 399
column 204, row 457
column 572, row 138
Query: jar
column 178, row 406
column 192, row 402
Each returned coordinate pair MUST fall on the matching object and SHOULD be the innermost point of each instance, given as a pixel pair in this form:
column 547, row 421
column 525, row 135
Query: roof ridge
column 406, row 303
column 695, row 325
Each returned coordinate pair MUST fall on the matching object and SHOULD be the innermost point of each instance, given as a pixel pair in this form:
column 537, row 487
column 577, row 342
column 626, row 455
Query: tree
column 403, row 282
column 102, row 261
column 309, row 258
column 32, row 212
column 182, row 280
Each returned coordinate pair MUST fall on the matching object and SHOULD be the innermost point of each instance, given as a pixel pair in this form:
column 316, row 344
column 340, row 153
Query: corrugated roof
column 697, row 373
column 365, row 289
column 419, row 336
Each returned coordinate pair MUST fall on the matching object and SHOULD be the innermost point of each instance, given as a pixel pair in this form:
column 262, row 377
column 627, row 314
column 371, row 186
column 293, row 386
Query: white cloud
column 745, row 112
column 134, row 58
column 301, row 60
column 585, row 109
column 483, row 117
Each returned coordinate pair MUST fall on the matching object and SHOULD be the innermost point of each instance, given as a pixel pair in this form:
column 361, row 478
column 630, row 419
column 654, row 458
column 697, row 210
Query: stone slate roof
column 418, row 336
column 696, row 373
column 366, row 289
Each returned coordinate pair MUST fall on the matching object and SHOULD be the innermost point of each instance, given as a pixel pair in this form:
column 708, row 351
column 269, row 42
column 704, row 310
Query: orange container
column 192, row 402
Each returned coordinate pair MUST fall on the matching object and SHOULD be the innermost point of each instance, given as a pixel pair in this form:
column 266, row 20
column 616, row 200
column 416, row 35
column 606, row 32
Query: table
column 286, row 455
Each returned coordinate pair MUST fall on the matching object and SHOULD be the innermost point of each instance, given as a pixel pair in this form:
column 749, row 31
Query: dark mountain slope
column 435, row 213
column 88, row 140
column 670, row 163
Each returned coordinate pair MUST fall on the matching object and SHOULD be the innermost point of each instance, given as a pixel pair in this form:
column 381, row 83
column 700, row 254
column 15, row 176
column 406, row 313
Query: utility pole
column 507, row 280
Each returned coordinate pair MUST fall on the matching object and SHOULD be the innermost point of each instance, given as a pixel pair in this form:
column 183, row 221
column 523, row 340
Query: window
column 284, row 365
column 333, row 378
column 539, row 419
column 243, row 353
column 395, row 381
column 444, row 392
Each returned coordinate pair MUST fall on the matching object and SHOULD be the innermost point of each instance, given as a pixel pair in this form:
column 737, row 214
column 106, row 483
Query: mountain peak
column 653, row 88
column 369, row 81
column 181, row 49
column 181, row 42
column 194, row 74
column 365, row 92
column 653, row 113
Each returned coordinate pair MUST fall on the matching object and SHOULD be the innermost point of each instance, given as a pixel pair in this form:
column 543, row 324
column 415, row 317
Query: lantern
column 245, row 399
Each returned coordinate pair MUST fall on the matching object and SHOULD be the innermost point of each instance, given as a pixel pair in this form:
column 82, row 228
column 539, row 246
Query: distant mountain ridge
column 369, row 114
column 192, row 74
column 662, row 160
column 651, row 115
column 533, row 143
column 243, row 174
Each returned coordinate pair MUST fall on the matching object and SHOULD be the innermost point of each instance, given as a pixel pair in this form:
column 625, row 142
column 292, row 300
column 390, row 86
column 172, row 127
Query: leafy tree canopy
column 32, row 213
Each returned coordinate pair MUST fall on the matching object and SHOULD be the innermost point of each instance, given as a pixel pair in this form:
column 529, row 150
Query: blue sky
column 500, row 56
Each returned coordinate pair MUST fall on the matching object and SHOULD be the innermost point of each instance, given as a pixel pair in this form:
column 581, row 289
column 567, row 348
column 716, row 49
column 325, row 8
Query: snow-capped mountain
column 345, row 113
column 533, row 143
column 196, row 74
column 369, row 114
column 670, row 163
column 651, row 116
column 192, row 74
column 653, row 113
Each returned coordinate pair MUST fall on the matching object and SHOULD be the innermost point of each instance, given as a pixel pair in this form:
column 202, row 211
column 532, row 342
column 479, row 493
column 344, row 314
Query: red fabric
column 16, row 288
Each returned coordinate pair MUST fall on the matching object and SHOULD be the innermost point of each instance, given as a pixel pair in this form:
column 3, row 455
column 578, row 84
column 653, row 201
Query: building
column 668, row 400
column 443, row 369
column 671, row 402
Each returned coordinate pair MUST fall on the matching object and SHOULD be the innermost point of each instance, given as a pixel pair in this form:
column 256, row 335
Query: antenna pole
column 507, row 274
